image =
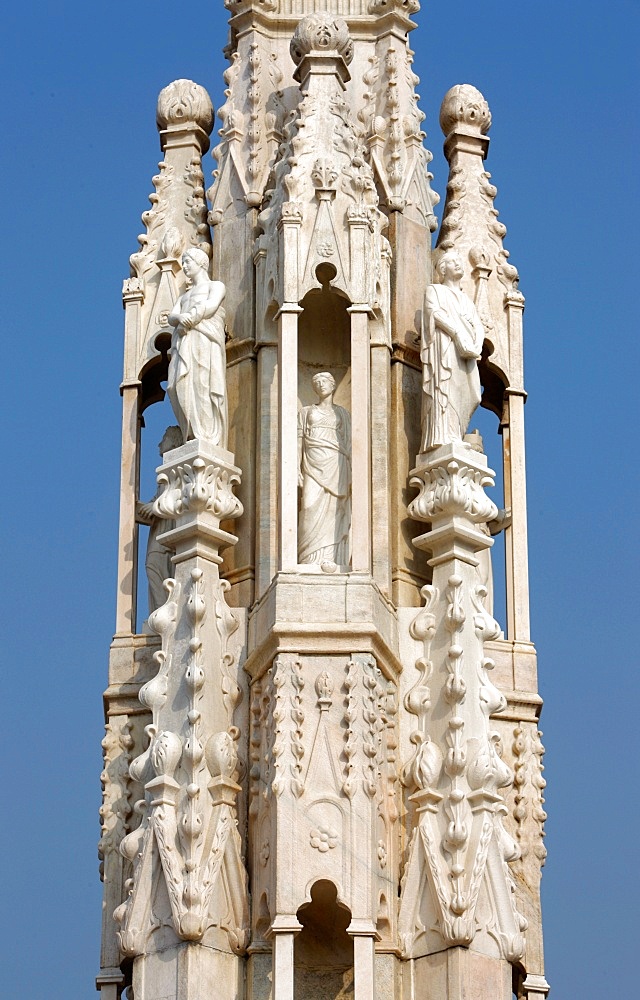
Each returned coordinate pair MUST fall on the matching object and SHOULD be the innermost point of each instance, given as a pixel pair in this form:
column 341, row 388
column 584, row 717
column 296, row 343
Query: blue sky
column 79, row 86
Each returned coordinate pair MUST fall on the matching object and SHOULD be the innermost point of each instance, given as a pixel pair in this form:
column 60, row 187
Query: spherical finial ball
column 465, row 105
column 321, row 33
column 184, row 101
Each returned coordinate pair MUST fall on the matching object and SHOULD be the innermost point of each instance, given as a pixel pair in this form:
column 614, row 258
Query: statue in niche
column 158, row 559
column 324, row 462
column 489, row 528
column 452, row 337
column 197, row 370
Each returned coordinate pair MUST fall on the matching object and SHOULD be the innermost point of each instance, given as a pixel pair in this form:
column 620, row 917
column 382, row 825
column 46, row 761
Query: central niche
column 324, row 429
column 323, row 951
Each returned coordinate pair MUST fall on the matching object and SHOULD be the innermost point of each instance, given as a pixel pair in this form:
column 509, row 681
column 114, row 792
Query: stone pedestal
column 457, row 887
column 186, row 916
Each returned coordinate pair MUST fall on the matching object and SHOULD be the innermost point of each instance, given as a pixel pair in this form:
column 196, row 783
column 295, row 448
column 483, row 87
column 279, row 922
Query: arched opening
column 323, row 951
column 324, row 340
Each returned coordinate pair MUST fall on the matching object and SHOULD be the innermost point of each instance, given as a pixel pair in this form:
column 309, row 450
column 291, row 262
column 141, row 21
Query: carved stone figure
column 452, row 336
column 324, row 454
column 158, row 559
column 197, row 371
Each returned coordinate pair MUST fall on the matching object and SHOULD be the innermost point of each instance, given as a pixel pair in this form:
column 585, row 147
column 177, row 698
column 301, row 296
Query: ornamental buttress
column 322, row 763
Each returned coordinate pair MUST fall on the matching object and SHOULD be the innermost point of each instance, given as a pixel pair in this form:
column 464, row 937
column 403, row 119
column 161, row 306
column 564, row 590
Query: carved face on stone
column 324, row 384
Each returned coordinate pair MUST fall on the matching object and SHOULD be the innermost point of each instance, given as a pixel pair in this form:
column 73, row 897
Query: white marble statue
column 324, row 454
column 197, row 371
column 158, row 559
column 452, row 336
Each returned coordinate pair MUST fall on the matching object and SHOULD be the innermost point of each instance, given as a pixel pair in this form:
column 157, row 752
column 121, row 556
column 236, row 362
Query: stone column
column 364, row 937
column 456, row 773
column 126, row 598
column 288, row 435
column 515, row 496
column 361, row 442
column 185, row 921
column 283, row 930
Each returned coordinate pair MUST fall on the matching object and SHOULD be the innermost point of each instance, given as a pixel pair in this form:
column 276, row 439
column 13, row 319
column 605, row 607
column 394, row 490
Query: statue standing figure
column 452, row 336
column 324, row 455
column 197, row 371
column 158, row 559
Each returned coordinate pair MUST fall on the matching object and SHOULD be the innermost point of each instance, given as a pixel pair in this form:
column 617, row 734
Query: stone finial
column 321, row 33
column 184, row 101
column 464, row 105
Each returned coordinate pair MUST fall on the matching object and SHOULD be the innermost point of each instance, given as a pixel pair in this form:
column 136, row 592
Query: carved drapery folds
column 457, row 887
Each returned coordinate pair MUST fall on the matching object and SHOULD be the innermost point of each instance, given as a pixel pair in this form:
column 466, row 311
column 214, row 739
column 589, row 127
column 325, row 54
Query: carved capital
column 452, row 487
column 196, row 486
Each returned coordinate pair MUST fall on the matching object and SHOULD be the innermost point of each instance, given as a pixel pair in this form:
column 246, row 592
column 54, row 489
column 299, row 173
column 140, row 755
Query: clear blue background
column 79, row 85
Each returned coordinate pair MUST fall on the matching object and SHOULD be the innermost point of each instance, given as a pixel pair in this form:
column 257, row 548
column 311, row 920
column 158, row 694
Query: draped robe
column 196, row 384
column 325, row 465
column 450, row 377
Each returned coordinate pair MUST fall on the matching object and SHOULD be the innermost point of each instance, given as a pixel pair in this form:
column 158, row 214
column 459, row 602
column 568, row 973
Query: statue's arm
column 215, row 298
column 210, row 306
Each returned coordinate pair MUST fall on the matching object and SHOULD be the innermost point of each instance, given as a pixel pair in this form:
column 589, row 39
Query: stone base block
column 188, row 972
column 458, row 974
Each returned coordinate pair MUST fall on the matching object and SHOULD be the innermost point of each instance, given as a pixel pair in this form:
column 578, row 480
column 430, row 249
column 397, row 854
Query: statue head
column 322, row 381
column 450, row 264
column 196, row 256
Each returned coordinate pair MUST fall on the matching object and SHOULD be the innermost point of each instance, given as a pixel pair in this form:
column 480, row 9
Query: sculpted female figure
column 324, row 455
column 197, row 371
column 452, row 336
